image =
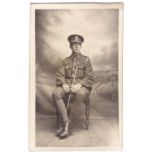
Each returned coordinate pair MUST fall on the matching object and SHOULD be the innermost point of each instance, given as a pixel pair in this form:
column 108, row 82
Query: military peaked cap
column 75, row 38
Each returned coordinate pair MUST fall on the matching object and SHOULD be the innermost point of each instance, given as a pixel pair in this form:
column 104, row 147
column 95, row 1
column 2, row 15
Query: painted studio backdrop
column 100, row 31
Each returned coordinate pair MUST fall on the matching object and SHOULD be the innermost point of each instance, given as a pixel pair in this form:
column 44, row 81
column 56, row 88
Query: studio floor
column 103, row 129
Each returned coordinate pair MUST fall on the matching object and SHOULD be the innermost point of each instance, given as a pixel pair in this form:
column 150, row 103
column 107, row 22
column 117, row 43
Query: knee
column 57, row 93
column 82, row 93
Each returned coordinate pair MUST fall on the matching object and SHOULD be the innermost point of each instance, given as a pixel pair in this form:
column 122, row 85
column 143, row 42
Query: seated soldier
column 74, row 77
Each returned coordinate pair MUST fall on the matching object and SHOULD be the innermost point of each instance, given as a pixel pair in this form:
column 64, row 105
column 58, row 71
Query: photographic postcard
column 76, row 53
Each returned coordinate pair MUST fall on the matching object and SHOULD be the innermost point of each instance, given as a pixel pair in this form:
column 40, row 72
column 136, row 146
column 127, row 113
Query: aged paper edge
column 32, row 127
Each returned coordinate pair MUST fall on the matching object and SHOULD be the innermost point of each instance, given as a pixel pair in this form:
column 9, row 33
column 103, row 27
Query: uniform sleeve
column 60, row 75
column 89, row 78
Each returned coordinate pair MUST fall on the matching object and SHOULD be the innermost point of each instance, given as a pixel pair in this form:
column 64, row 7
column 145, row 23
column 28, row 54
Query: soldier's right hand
column 66, row 88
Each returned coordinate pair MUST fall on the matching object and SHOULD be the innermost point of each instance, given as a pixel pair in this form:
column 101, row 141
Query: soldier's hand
column 66, row 88
column 75, row 88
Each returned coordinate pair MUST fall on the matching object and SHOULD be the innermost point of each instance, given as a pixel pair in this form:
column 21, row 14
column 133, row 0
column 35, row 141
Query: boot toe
column 64, row 134
column 59, row 131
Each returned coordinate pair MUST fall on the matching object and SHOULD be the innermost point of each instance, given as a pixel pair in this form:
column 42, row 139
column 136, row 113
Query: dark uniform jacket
column 67, row 69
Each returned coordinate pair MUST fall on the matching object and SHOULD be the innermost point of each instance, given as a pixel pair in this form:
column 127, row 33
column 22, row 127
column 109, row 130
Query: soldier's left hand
column 75, row 88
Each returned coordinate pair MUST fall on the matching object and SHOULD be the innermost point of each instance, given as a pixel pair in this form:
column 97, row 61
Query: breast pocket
column 68, row 71
column 81, row 71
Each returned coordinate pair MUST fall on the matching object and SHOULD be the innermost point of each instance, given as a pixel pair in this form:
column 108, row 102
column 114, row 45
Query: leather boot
column 66, row 131
column 59, row 131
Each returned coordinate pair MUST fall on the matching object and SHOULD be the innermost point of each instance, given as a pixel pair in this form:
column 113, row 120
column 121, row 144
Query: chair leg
column 87, row 114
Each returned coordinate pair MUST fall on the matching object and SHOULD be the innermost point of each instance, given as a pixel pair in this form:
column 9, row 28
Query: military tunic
column 67, row 69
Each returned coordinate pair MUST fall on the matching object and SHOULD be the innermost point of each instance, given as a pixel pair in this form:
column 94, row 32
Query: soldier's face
column 75, row 47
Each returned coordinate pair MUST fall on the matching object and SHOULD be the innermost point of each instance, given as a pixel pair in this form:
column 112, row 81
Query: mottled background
column 100, row 31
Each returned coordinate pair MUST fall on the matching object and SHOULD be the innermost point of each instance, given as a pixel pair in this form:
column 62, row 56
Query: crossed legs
column 60, row 98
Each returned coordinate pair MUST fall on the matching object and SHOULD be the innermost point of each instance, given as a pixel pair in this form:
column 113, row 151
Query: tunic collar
column 75, row 55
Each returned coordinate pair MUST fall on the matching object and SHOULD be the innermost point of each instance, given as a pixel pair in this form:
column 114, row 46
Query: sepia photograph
column 76, row 76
